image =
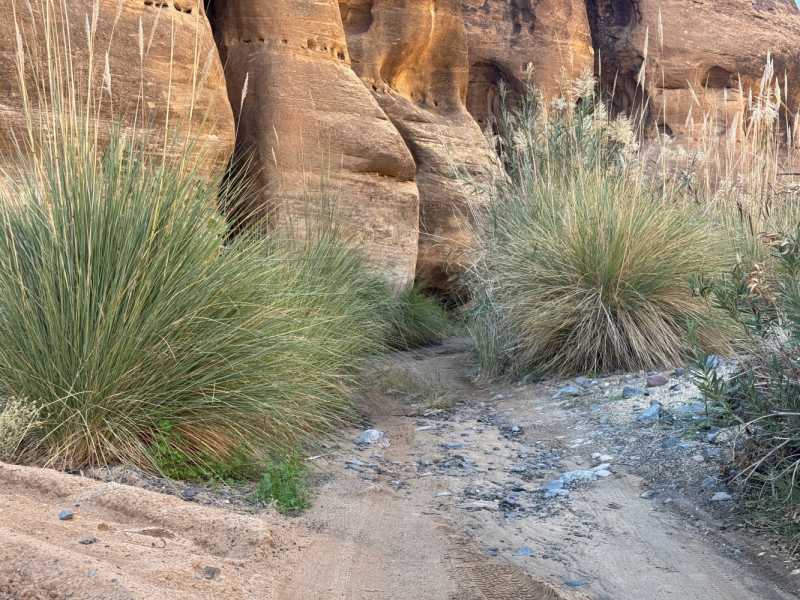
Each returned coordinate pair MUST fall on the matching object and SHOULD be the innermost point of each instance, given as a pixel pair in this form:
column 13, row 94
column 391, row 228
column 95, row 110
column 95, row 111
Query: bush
column 122, row 306
column 763, row 396
column 585, row 268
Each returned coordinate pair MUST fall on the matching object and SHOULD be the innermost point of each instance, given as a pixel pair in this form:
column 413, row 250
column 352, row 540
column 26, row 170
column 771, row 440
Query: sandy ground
column 439, row 514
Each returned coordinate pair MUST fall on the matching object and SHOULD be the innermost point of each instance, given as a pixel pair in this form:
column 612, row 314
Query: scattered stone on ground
column 372, row 436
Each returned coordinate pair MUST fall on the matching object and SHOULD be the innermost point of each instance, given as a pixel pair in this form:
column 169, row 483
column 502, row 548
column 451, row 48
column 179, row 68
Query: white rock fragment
column 372, row 436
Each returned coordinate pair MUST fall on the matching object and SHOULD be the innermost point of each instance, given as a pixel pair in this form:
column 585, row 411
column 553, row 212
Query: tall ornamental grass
column 585, row 268
column 132, row 317
column 122, row 308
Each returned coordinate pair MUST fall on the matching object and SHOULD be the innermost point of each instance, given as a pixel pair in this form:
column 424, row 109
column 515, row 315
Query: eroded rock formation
column 306, row 116
column 174, row 65
column 694, row 52
column 543, row 42
column 412, row 55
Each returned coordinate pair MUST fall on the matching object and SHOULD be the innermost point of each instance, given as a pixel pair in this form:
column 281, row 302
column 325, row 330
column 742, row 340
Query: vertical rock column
column 412, row 55
column 306, row 119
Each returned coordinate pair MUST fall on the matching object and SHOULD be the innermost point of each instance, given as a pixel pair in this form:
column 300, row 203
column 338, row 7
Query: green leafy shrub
column 285, row 482
column 763, row 395
column 584, row 268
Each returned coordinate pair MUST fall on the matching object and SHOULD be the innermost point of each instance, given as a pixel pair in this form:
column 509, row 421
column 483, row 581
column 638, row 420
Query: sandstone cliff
column 306, row 117
column 413, row 56
column 694, row 53
column 174, row 65
column 546, row 43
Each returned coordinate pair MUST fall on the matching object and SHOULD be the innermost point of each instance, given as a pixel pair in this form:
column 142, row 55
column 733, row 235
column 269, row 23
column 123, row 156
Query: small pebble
column 524, row 551
column 190, row 493
column 88, row 540
column 575, row 582
column 65, row 515
column 211, row 572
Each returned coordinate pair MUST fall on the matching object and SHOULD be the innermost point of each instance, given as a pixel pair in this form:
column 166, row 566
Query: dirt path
column 452, row 510
column 383, row 532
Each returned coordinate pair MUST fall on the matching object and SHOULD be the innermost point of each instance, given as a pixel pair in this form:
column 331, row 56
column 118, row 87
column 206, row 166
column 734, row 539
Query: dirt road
column 388, row 531
column 453, row 509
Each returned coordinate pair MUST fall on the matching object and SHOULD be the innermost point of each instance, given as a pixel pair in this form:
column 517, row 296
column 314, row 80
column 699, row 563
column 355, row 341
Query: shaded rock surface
column 693, row 68
column 312, row 129
column 413, row 57
column 545, row 43
column 178, row 33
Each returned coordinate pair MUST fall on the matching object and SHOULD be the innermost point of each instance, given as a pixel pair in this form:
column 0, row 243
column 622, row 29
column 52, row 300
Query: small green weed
column 170, row 458
column 285, row 483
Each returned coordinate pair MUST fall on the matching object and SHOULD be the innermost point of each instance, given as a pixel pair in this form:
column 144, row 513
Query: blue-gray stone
column 575, row 582
column 714, row 361
column 572, row 476
column 651, row 414
column 720, row 497
column 454, row 445
column 690, row 409
column 553, row 485
column 65, row 515
column 511, row 515
column 629, row 391
column 567, row 391
column 524, row 551
column 711, row 452
column 554, row 493
column 190, row 493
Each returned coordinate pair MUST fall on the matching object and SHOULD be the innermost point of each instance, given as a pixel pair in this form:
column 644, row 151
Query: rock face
column 542, row 42
column 696, row 52
column 306, row 117
column 194, row 88
column 412, row 55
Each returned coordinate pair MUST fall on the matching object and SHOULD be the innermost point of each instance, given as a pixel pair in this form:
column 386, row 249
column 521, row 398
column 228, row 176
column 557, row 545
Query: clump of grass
column 418, row 393
column 126, row 302
column 585, row 268
column 123, row 306
column 285, row 483
column 16, row 420
column 416, row 318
